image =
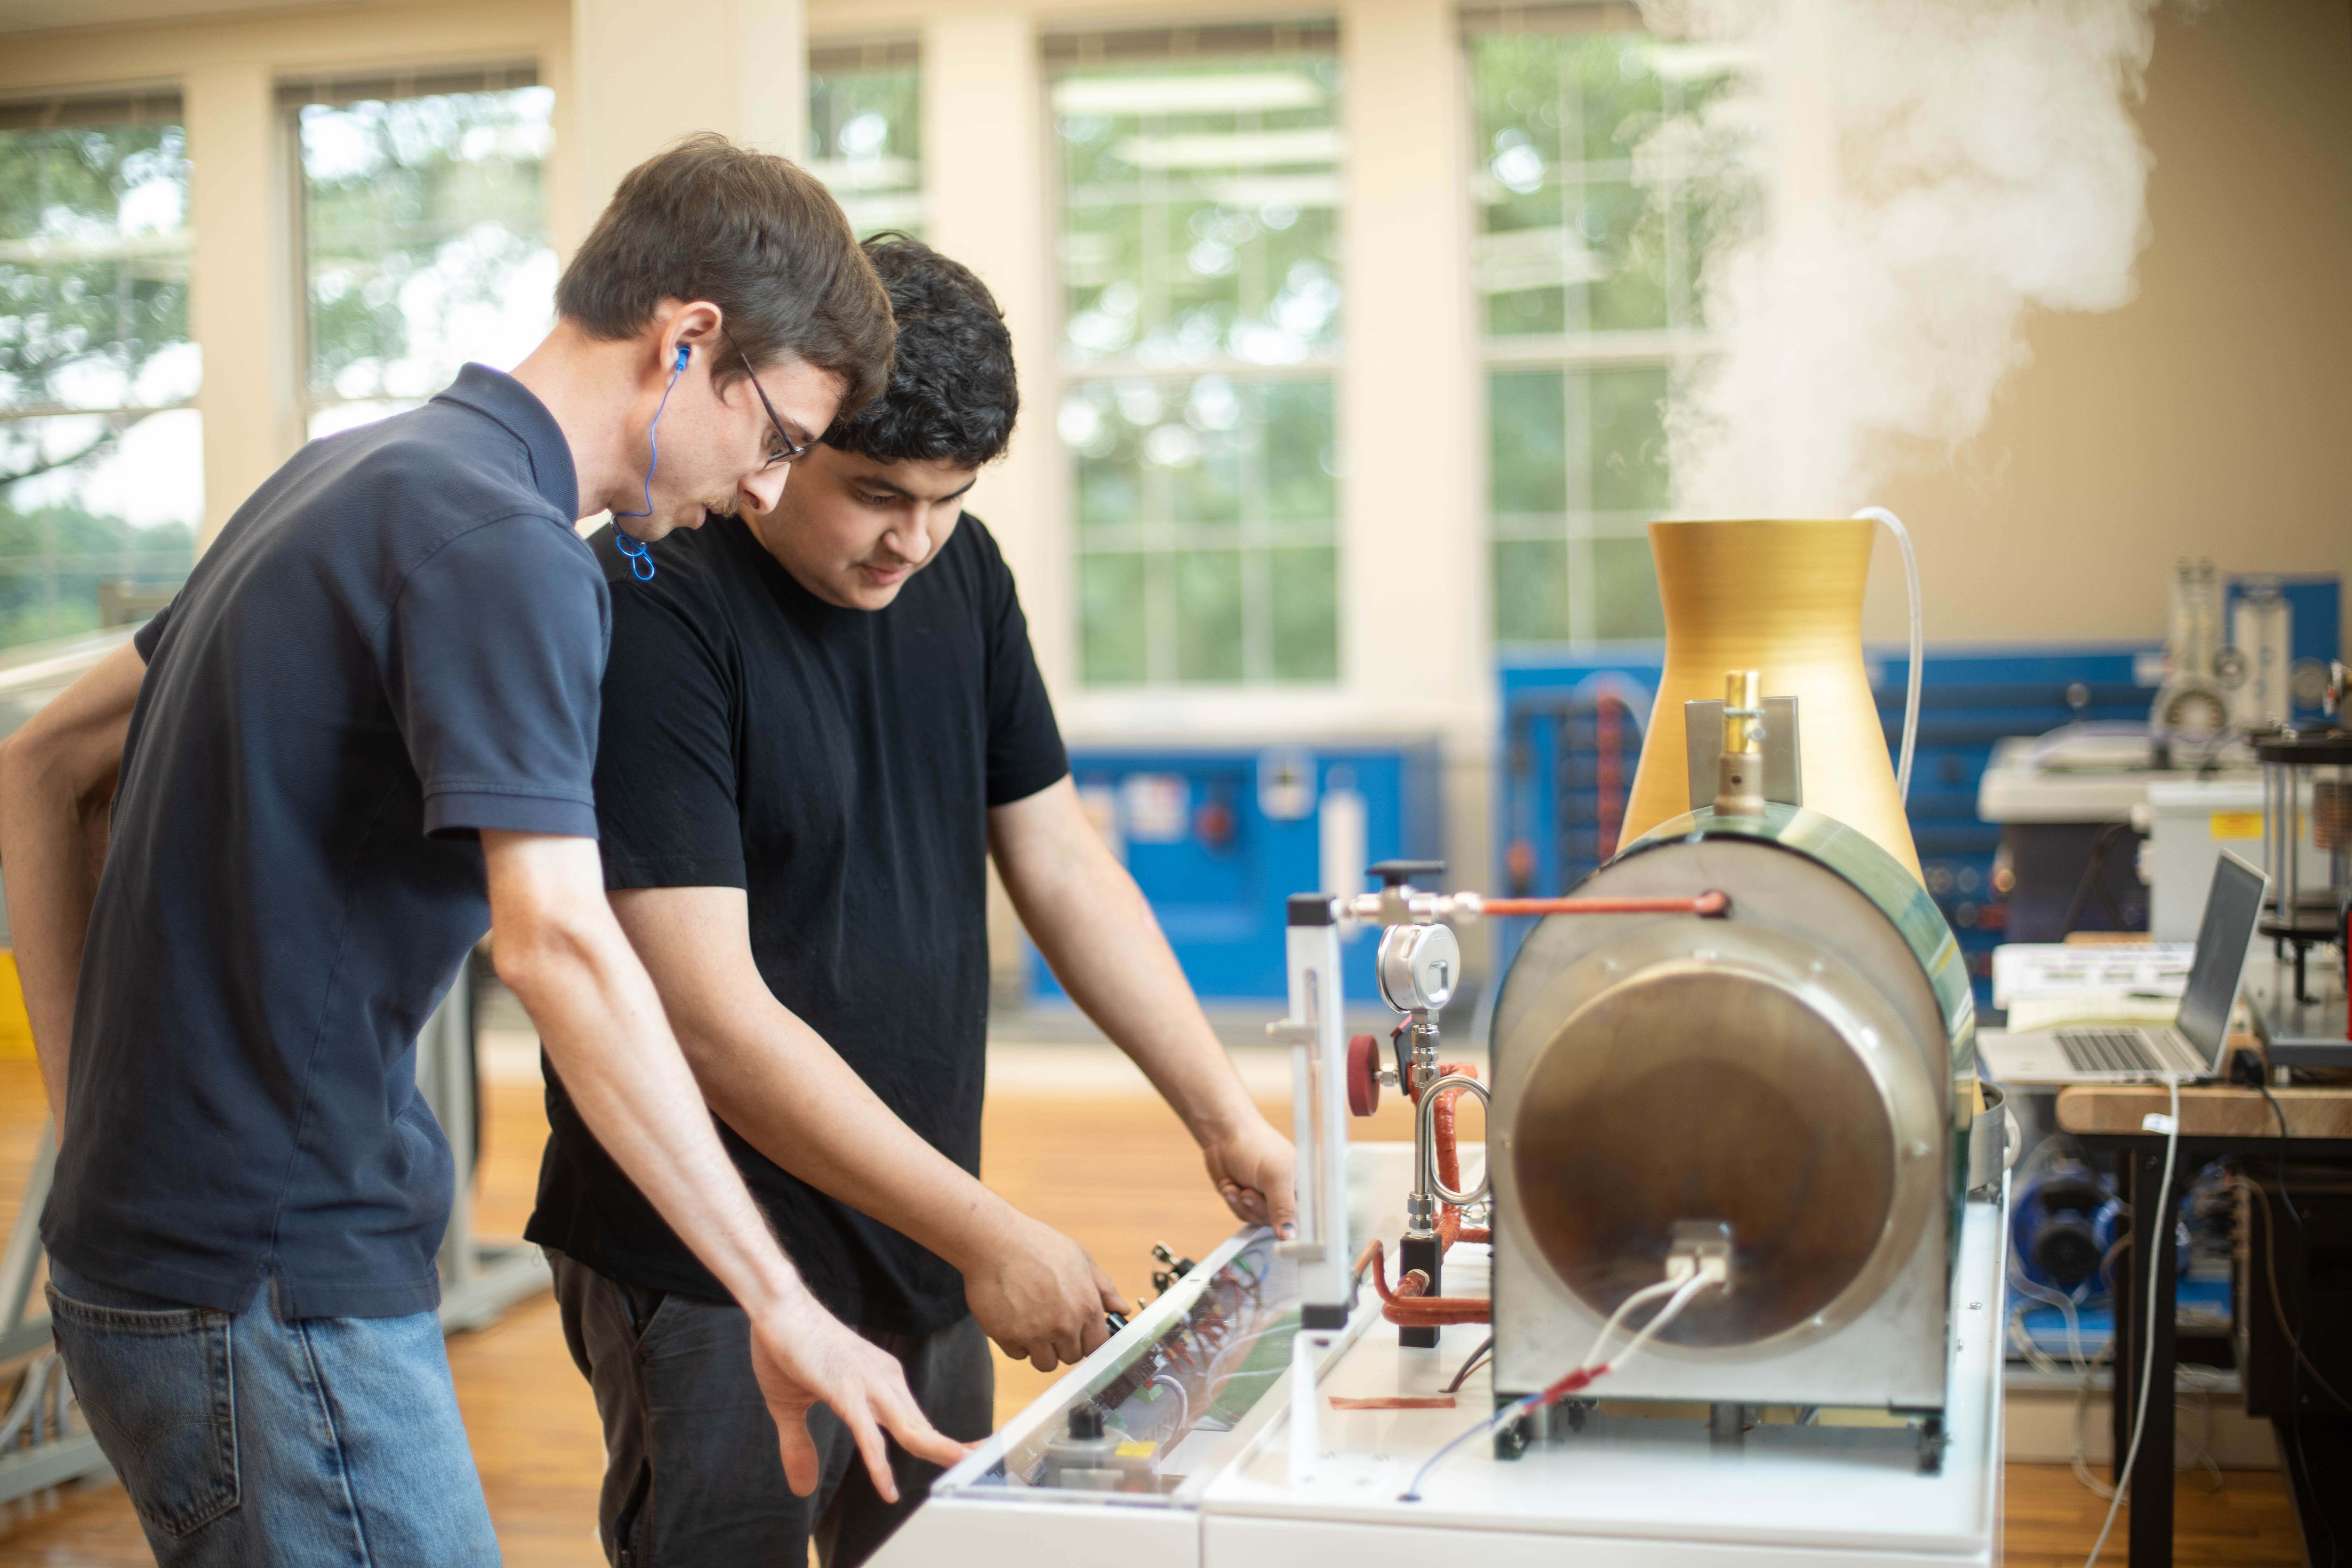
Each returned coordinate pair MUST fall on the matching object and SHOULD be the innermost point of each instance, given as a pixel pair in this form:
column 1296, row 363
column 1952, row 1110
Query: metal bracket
column 1703, row 743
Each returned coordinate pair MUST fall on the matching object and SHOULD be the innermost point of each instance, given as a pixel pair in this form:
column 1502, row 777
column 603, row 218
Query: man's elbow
column 539, row 949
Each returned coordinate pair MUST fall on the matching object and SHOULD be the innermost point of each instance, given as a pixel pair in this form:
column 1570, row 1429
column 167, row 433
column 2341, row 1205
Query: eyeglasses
column 793, row 450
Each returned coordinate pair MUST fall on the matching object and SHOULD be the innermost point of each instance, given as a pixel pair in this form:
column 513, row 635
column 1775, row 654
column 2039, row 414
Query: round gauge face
column 1419, row 967
column 1715, row 1096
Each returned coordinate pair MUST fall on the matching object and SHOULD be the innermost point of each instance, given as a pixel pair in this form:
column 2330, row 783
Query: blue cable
column 641, row 564
column 1517, row 1407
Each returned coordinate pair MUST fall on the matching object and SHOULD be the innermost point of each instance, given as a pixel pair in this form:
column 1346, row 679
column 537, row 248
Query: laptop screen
column 2233, row 907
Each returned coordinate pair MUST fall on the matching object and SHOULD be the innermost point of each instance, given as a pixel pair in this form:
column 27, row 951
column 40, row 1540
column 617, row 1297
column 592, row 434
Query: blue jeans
column 246, row 1438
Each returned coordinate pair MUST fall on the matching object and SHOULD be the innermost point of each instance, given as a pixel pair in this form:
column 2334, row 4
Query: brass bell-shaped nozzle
column 1739, row 771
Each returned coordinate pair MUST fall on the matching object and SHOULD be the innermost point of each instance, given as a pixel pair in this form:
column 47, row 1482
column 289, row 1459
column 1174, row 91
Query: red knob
column 1363, row 1075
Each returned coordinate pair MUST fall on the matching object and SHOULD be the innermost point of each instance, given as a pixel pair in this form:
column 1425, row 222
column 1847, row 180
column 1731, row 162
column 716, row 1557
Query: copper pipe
column 1436, row 1312
column 1449, row 1159
column 1707, row 903
column 1407, row 1306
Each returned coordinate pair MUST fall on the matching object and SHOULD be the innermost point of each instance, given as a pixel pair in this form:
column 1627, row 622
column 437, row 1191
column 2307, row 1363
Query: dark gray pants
column 692, row 1475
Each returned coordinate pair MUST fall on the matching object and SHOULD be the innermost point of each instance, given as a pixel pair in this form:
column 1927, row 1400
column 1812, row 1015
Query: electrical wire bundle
column 1679, row 1293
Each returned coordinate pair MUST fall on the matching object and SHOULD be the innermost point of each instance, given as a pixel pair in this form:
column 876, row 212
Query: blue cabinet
column 1219, row 836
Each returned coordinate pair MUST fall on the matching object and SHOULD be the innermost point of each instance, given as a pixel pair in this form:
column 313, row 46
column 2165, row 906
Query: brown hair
column 755, row 235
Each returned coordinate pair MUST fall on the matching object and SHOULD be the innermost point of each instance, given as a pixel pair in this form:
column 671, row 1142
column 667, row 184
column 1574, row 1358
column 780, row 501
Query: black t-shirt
column 394, row 642
column 838, row 767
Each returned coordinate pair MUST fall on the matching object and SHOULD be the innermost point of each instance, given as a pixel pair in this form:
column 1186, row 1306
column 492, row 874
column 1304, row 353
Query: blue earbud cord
column 641, row 564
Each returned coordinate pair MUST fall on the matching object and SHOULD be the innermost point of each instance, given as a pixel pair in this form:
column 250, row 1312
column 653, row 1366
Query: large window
column 1200, row 325
column 1587, row 277
column 866, row 132
column 423, row 233
column 101, row 453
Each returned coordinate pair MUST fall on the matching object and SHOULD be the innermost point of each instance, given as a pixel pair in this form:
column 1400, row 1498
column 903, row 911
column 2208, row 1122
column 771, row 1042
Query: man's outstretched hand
column 1252, row 1166
column 806, row 1355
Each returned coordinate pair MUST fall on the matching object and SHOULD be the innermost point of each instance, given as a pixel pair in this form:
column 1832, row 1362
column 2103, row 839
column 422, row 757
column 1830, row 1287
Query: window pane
column 1530, row 590
column 425, row 244
column 1578, row 246
column 1199, row 447
column 1528, row 441
column 1569, row 241
column 1616, row 93
column 1304, row 585
column 1111, row 621
column 1301, row 461
column 865, row 143
column 1625, row 590
column 1208, row 614
column 1629, row 439
column 1199, row 200
column 1198, row 252
column 1625, row 242
column 99, row 507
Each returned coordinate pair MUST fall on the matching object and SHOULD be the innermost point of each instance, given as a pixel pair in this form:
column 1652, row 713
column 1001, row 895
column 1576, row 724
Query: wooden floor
column 1112, row 1168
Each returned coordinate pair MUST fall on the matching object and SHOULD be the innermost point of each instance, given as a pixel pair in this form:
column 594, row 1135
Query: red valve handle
column 1363, row 1075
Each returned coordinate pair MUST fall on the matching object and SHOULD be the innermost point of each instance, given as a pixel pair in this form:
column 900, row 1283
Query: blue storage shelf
column 1217, row 865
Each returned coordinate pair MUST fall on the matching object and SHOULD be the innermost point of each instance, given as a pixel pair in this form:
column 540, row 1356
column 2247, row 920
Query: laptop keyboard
column 2108, row 1050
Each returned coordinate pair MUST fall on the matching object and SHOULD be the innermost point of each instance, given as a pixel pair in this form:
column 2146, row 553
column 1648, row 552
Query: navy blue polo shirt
column 396, row 641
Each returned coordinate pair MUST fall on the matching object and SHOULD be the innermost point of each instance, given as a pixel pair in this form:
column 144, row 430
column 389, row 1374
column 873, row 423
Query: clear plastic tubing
column 1894, row 525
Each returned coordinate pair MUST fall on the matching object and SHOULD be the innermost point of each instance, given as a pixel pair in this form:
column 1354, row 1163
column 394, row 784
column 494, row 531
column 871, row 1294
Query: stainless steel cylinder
column 1802, row 1070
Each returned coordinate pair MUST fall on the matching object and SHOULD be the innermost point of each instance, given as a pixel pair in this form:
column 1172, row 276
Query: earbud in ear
column 684, row 353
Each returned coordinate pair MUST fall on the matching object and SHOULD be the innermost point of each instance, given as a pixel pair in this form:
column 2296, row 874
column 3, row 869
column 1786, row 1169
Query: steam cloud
column 1939, row 168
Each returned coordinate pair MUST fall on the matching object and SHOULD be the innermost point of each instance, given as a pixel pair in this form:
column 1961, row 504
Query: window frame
column 1676, row 350
column 1254, row 539
column 292, row 93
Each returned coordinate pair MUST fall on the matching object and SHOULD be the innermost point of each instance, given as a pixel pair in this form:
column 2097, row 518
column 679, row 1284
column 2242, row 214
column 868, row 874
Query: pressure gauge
column 1420, row 965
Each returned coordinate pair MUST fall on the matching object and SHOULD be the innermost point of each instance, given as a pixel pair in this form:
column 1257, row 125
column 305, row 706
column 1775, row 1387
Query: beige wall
column 2213, row 414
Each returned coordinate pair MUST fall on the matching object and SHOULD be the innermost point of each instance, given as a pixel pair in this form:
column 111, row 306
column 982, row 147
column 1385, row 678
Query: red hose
column 1406, row 1305
column 1449, row 1160
column 1708, row 904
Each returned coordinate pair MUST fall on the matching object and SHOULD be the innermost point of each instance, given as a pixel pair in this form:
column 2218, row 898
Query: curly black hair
column 952, row 396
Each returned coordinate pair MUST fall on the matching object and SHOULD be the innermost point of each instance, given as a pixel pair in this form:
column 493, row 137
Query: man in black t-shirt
column 819, row 723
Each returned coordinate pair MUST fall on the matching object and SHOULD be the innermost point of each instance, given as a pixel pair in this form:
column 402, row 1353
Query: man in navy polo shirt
column 366, row 729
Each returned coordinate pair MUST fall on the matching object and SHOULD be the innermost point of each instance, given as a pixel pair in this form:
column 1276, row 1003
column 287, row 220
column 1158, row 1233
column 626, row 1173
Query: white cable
column 2147, row 1363
column 1183, row 1402
column 1911, row 700
column 1666, row 1314
column 1685, row 1291
column 1617, row 1318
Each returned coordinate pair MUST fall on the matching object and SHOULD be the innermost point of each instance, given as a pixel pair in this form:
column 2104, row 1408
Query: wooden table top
column 2212, row 1110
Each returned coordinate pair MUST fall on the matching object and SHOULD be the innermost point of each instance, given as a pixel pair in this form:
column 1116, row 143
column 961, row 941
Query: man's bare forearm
column 777, row 1082
column 1091, row 924
column 57, row 785
column 558, row 946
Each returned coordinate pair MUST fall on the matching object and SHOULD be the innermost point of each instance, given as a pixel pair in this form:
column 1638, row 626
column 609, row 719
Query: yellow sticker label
column 2237, row 825
column 1136, row 1450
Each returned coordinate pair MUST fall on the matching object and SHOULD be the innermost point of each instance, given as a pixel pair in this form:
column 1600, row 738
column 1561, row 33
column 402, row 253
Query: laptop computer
column 2195, row 1046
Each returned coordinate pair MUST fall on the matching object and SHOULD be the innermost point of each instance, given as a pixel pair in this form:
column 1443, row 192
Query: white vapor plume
column 1936, row 171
